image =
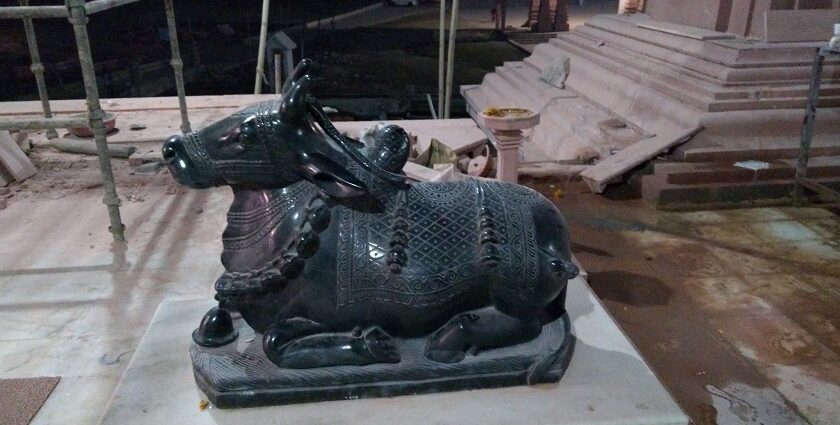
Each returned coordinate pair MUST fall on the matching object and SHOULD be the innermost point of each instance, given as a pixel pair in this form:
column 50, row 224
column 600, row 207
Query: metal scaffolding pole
column 177, row 65
column 78, row 18
column 441, row 60
column 18, row 12
column 96, row 6
column 38, row 68
column 450, row 69
column 261, row 53
column 42, row 123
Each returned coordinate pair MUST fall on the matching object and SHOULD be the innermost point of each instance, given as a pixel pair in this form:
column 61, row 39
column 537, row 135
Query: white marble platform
column 607, row 383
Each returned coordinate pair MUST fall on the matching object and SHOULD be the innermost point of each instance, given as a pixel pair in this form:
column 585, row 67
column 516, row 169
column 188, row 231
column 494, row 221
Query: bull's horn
column 293, row 104
column 304, row 67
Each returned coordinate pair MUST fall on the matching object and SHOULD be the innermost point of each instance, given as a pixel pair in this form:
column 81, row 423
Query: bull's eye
column 247, row 134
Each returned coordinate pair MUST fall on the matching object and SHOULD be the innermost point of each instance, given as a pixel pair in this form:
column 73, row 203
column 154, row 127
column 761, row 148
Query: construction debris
column 147, row 156
column 88, row 147
column 14, row 164
column 603, row 173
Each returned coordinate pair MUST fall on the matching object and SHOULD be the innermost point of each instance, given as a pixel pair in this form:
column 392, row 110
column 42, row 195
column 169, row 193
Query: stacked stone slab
column 663, row 77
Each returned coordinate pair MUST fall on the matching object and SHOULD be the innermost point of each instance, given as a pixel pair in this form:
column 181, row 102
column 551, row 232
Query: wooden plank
column 601, row 174
column 13, row 160
column 685, row 31
column 800, row 25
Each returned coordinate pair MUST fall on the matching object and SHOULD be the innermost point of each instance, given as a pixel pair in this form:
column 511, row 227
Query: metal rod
column 18, row 12
column 177, row 65
column 38, row 69
column 431, row 106
column 78, row 18
column 450, row 69
column 261, row 53
column 96, row 6
column 824, row 192
column 278, row 75
column 42, row 123
column 808, row 127
column 441, row 52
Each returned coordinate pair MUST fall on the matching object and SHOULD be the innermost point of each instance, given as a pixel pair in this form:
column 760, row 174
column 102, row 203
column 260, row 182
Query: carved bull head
column 272, row 145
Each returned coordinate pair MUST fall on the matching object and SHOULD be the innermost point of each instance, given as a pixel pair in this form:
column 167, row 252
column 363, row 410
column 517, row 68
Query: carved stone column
column 507, row 126
column 507, row 145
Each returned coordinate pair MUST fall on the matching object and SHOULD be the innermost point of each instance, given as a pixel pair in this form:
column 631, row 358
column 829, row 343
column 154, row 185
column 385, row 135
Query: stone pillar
column 561, row 16
column 507, row 125
column 507, row 145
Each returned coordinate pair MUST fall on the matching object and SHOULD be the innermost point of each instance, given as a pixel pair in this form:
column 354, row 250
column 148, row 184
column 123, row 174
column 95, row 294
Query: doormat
column 20, row 399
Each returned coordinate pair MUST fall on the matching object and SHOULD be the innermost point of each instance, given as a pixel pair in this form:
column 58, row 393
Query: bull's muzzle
column 181, row 164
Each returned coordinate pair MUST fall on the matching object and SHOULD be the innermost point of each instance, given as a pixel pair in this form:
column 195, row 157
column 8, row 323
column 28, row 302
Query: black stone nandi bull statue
column 334, row 258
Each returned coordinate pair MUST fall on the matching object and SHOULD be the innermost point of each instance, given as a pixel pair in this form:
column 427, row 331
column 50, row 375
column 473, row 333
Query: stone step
column 666, row 196
column 493, row 91
column 615, row 92
column 683, row 91
column 475, row 98
column 706, row 173
column 680, row 91
column 736, row 53
column 526, row 78
column 664, row 73
column 568, row 122
column 717, row 154
column 674, row 74
column 689, row 65
column 725, row 75
column 569, row 127
column 507, row 95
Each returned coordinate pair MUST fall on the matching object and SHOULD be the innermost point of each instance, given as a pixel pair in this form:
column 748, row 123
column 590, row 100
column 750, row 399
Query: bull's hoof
column 216, row 329
column 449, row 344
column 382, row 346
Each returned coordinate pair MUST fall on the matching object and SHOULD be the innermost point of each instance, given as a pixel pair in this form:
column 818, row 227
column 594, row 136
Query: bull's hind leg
column 479, row 329
column 301, row 343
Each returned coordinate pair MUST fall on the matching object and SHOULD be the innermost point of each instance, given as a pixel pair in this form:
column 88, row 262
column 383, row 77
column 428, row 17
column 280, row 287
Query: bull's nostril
column 169, row 152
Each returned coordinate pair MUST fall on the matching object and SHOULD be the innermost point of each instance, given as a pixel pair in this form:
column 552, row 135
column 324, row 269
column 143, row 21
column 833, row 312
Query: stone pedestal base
column 606, row 382
column 240, row 375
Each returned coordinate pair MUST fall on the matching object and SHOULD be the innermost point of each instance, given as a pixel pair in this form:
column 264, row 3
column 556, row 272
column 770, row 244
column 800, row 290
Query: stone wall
column 706, row 14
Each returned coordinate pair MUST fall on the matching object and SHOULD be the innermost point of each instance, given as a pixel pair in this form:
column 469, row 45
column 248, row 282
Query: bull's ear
column 331, row 177
column 293, row 103
column 304, row 67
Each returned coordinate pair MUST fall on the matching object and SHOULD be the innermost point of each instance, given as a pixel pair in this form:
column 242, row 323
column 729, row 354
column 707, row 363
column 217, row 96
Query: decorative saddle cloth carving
column 457, row 235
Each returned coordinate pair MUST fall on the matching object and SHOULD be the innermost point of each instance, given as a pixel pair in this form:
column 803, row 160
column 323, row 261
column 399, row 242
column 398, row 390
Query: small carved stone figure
column 335, row 261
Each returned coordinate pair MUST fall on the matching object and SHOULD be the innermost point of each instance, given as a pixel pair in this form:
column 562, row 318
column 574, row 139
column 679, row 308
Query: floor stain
column 735, row 310
column 630, row 288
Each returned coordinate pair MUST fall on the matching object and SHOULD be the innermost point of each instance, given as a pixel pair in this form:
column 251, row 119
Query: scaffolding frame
column 77, row 12
column 801, row 179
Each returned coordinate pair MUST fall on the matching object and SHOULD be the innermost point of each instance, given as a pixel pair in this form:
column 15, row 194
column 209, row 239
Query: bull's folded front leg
column 301, row 343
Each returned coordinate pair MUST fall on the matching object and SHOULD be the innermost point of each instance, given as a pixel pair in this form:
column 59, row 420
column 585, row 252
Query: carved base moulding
column 240, row 375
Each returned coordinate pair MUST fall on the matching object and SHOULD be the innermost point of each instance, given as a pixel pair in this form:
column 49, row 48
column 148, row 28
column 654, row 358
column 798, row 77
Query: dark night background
column 366, row 72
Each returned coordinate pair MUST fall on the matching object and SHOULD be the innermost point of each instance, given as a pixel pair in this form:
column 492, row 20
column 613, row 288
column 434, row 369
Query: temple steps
column 675, row 186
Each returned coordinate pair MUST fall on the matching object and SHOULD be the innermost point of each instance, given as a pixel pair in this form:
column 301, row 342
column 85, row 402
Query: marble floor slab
column 607, row 383
column 74, row 305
